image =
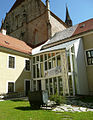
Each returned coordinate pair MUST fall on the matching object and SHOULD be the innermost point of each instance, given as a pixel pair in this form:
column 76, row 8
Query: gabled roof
column 71, row 32
column 14, row 44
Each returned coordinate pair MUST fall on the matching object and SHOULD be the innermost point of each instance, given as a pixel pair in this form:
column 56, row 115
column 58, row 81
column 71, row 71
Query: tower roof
column 68, row 20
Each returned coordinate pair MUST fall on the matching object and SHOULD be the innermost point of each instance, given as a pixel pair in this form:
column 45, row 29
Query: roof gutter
column 17, row 52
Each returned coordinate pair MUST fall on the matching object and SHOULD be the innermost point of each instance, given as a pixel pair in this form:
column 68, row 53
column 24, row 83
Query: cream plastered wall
column 17, row 75
column 88, row 45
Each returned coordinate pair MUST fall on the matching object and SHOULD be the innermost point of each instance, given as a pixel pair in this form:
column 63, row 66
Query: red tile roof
column 14, row 44
column 84, row 27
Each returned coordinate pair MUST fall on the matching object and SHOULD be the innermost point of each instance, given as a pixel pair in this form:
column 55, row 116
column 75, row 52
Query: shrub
column 58, row 99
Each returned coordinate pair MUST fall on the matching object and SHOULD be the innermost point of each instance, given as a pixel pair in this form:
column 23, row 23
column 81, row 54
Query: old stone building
column 32, row 21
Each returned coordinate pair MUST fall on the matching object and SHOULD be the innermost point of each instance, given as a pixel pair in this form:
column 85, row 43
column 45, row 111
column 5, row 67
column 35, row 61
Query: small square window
column 11, row 62
column 89, row 55
column 27, row 65
column 10, row 87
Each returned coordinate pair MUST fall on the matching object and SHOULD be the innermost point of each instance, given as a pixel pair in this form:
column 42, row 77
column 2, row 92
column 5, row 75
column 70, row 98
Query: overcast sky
column 79, row 10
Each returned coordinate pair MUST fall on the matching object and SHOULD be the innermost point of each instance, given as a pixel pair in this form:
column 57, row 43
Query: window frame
column 7, row 86
column 14, row 62
column 25, row 64
column 86, row 57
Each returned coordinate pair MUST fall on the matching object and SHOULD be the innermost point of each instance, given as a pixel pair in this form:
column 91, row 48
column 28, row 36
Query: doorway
column 39, row 85
column 27, row 87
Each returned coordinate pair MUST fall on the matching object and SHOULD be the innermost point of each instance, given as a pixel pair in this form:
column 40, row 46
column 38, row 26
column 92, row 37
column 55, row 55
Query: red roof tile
column 84, row 27
column 14, row 44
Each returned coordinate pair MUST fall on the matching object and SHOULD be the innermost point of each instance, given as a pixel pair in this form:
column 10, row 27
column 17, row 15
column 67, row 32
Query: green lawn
column 20, row 110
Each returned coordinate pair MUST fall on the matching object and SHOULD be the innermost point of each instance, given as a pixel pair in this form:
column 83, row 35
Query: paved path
column 69, row 108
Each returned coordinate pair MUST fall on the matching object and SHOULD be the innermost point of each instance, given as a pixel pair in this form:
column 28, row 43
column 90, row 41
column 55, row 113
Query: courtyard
column 20, row 110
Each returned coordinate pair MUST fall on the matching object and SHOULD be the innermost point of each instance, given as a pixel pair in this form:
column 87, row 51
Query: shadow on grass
column 26, row 108
column 19, row 100
column 23, row 108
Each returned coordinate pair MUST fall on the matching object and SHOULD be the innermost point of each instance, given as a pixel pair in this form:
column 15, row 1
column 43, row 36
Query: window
column 60, row 85
column 10, row 87
column 46, row 84
column 34, row 71
column 27, row 65
column 11, row 62
column 34, row 85
column 58, row 60
column 89, row 55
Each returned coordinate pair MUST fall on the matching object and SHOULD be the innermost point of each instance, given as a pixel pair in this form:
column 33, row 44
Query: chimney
column 3, row 31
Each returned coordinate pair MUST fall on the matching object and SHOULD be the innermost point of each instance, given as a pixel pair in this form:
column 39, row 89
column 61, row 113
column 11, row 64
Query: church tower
column 68, row 20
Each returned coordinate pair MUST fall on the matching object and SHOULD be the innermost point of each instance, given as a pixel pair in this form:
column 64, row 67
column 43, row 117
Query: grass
column 20, row 110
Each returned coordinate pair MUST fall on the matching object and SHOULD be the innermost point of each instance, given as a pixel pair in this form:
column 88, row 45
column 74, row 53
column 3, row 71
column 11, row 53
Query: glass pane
column 11, row 62
column 45, row 56
column 34, row 73
column 58, row 60
column 92, row 61
column 73, row 62
column 88, row 54
column 55, row 85
column 49, row 64
column 53, row 54
column 10, row 87
column 46, row 82
column 27, row 65
column 89, row 61
column 41, row 58
column 46, row 65
column 38, row 72
column 33, row 59
column 41, row 69
column 68, row 58
column 60, row 85
column 49, row 55
column 37, row 58
column 50, row 83
column 70, row 85
column 53, row 62
column 91, row 53
column 34, row 85
column 72, row 49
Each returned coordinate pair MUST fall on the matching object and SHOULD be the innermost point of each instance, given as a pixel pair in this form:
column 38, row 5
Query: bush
column 58, row 99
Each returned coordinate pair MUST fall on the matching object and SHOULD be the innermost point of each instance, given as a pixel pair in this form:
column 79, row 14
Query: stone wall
column 28, row 22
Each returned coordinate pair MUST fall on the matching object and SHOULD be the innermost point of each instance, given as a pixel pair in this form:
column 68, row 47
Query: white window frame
column 9, row 55
column 86, row 57
column 25, row 65
column 7, row 85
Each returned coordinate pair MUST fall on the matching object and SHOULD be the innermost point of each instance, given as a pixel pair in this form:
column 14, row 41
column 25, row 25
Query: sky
column 79, row 10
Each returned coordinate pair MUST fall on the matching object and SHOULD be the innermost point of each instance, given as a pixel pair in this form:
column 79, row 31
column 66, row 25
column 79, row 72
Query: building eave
column 68, row 39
